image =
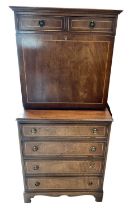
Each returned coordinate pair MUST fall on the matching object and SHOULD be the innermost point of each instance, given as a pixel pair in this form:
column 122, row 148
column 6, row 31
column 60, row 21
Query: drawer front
column 63, row 183
column 91, row 24
column 64, row 130
column 63, row 166
column 63, row 148
column 41, row 23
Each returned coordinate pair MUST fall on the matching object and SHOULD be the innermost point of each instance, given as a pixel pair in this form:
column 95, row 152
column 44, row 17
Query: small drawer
column 64, row 130
column 63, row 166
column 63, row 183
column 40, row 23
column 91, row 24
column 65, row 148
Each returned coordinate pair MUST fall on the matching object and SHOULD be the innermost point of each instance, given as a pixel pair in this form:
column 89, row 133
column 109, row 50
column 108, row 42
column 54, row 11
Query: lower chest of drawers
column 63, row 158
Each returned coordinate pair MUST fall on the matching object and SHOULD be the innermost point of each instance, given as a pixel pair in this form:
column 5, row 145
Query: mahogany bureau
column 64, row 58
column 64, row 152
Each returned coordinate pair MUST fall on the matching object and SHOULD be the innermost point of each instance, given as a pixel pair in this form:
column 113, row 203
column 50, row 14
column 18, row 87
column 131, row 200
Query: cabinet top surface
column 70, row 10
column 82, row 115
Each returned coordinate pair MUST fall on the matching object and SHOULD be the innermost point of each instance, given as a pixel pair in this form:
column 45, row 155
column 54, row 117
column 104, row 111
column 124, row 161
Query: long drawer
column 63, row 148
column 63, row 183
column 64, row 130
column 63, row 166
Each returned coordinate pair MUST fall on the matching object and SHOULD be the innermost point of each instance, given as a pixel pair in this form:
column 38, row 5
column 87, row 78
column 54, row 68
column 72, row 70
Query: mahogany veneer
column 65, row 56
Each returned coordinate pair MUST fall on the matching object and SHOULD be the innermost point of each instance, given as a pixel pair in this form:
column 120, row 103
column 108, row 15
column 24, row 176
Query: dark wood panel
column 77, row 78
column 63, row 183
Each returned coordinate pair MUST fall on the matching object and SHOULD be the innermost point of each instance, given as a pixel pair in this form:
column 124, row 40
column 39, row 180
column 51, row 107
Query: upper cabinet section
column 65, row 56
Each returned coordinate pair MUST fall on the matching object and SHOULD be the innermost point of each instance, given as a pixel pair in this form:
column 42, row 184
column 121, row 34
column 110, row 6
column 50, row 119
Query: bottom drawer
column 63, row 183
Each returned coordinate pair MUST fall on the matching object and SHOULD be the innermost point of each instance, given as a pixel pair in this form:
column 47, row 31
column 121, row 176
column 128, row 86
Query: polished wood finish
column 31, row 23
column 67, row 167
column 63, row 183
column 64, row 62
column 63, row 148
column 60, row 156
column 75, row 76
column 103, row 25
column 64, row 130
column 67, row 115
column 71, row 11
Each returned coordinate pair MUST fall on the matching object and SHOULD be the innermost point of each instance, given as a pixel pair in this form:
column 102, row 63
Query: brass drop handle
column 90, row 183
column 33, row 130
column 35, row 148
column 92, row 24
column 94, row 130
column 35, row 167
column 41, row 23
column 93, row 149
column 92, row 165
column 37, row 184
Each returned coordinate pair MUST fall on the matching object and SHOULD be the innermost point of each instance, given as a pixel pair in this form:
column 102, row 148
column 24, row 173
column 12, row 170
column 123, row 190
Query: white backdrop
column 119, row 171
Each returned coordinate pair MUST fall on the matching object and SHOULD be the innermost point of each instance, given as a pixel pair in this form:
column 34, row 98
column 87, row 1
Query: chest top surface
column 72, row 115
